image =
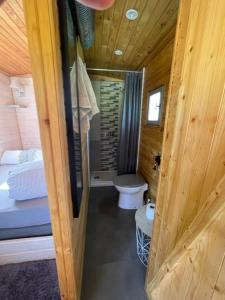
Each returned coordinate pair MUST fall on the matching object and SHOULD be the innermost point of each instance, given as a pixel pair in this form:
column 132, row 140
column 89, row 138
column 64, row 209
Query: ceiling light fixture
column 118, row 52
column 132, row 14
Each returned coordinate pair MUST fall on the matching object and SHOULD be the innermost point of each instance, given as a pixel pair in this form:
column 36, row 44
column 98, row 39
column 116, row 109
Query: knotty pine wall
column 157, row 73
column 9, row 129
column 193, row 151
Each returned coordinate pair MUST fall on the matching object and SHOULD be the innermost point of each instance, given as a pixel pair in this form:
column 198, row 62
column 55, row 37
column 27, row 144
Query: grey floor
column 112, row 270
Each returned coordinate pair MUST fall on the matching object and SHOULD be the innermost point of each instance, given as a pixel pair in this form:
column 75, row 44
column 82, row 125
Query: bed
column 19, row 219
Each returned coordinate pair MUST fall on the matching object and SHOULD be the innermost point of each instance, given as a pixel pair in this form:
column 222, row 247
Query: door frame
column 44, row 44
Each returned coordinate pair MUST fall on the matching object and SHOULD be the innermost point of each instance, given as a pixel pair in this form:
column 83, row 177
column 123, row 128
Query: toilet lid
column 129, row 180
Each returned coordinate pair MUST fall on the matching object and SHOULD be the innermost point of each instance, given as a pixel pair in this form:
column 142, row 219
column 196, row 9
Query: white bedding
column 5, row 201
column 27, row 181
column 14, row 214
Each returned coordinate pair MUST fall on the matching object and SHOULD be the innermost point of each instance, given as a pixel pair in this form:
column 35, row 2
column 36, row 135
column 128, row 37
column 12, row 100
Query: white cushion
column 31, row 155
column 11, row 157
column 27, row 181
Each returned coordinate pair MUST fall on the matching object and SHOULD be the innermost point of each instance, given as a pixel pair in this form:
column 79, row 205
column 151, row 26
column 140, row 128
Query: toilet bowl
column 131, row 188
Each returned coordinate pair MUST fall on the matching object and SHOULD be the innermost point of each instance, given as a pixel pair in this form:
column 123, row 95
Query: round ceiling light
column 132, row 14
column 118, row 52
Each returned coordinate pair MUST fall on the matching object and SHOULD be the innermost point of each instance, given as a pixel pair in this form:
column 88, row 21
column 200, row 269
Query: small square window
column 155, row 103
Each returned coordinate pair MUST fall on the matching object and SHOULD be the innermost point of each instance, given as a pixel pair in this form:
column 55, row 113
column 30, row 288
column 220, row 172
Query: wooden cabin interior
column 124, row 102
column 25, row 230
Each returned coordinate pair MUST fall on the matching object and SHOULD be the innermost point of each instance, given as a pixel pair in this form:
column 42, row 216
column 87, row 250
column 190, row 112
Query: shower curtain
column 129, row 127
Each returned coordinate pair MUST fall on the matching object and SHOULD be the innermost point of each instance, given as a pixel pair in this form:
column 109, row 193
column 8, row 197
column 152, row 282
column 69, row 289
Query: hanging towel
column 87, row 100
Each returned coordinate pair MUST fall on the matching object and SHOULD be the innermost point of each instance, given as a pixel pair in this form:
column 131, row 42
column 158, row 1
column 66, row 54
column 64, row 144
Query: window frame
column 161, row 89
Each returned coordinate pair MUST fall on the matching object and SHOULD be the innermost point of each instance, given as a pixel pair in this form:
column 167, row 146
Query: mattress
column 5, row 201
column 25, row 232
column 14, row 214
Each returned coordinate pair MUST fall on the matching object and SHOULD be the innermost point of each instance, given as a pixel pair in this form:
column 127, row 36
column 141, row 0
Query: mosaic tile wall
column 105, row 129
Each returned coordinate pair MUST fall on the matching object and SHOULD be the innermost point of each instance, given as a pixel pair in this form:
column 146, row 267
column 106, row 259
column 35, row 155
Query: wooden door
column 188, row 245
column 68, row 233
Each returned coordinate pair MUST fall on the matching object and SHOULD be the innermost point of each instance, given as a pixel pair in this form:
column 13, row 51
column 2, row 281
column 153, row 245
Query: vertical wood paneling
column 193, row 149
column 68, row 233
column 157, row 74
column 43, row 39
column 9, row 130
column 79, row 226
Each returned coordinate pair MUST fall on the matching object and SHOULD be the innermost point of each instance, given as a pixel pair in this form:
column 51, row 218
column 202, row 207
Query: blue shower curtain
column 129, row 127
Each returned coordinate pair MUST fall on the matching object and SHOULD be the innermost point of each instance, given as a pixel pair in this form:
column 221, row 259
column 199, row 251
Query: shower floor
column 102, row 178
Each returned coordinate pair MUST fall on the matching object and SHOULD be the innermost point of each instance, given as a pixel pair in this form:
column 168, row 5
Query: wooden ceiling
column 138, row 39
column 14, row 55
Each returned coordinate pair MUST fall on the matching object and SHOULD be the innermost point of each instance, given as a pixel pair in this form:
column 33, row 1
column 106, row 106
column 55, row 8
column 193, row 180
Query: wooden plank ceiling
column 14, row 55
column 139, row 39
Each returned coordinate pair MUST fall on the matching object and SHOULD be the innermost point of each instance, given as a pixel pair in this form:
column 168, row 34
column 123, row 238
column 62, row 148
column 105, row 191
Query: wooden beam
column 43, row 37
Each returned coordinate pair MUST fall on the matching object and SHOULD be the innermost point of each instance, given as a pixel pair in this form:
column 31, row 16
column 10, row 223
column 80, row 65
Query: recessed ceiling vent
column 118, row 52
column 132, row 14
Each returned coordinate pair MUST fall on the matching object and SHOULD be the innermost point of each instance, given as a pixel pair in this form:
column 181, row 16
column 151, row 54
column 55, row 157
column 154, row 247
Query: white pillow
column 27, row 181
column 38, row 155
column 11, row 157
column 31, row 155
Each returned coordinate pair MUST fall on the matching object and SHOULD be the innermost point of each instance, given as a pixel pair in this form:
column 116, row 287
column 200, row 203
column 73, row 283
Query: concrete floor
column 112, row 270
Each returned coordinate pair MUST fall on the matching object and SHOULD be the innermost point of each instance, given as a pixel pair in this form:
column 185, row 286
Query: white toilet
column 131, row 188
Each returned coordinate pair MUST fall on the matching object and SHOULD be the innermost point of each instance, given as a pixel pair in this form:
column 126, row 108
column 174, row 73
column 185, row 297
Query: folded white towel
column 87, row 100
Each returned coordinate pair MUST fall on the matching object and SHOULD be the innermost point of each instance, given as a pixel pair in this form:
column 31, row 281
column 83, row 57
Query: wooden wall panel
column 157, row 73
column 138, row 39
column 219, row 290
column 194, row 269
column 9, row 130
column 80, row 223
column 28, row 119
column 68, row 233
column 193, row 148
column 43, row 37
column 14, row 54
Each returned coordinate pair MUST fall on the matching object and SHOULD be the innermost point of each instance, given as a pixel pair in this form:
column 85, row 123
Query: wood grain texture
column 171, row 114
column 27, row 117
column 157, row 73
column 79, row 226
column 68, row 233
column 44, row 44
column 219, row 289
column 14, row 55
column 9, row 129
column 194, row 269
column 137, row 39
column 193, row 148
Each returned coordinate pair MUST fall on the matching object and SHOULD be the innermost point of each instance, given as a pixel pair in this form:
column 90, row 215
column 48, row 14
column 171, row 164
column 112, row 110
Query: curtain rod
column 111, row 70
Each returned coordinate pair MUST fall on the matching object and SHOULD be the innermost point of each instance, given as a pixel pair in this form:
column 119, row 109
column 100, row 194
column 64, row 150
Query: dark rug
column 35, row 280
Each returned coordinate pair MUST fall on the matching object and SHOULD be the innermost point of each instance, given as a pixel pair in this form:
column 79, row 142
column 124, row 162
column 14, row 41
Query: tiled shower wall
column 104, row 133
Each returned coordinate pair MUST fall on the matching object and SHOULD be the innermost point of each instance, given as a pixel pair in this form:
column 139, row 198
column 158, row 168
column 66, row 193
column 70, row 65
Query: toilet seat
column 129, row 180
column 131, row 188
